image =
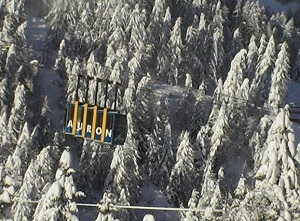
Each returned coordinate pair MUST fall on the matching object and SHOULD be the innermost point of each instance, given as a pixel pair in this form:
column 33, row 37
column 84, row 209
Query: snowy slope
column 274, row 6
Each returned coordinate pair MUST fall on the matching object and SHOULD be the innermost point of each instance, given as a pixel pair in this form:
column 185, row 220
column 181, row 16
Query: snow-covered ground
column 152, row 196
column 49, row 80
column 274, row 6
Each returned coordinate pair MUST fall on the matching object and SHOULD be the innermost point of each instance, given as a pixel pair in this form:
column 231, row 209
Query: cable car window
column 89, row 123
column 120, row 128
column 69, row 118
column 109, row 129
column 98, row 125
column 79, row 121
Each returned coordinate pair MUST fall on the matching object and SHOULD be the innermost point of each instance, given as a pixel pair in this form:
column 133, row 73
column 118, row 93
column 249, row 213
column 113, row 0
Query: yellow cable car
column 91, row 121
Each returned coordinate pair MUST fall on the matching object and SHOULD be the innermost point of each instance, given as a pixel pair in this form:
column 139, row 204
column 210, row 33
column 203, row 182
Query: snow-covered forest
column 205, row 87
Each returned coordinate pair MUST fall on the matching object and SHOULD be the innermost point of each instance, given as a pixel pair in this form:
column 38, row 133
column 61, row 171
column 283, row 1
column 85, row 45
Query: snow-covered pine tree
column 40, row 170
column 235, row 76
column 237, row 43
column 166, row 162
column 155, row 32
column 17, row 162
column 261, row 83
column 174, row 76
column 8, row 29
column 280, row 77
column 291, row 37
column 252, row 57
column 45, row 123
column 129, row 97
column 58, row 202
column 215, row 48
column 124, row 175
column 3, row 125
column 254, row 19
column 12, row 64
column 262, row 47
column 163, row 58
column 258, row 139
column 295, row 75
column 123, row 179
column 20, row 37
column 180, row 184
column 195, row 48
column 106, row 208
column 4, row 93
column 210, row 189
column 192, row 204
column 60, row 63
column 160, row 152
column 17, row 115
column 184, row 110
column 7, row 192
column 72, row 82
column 143, row 111
column 94, row 165
column 199, row 115
column 278, row 171
column 62, row 18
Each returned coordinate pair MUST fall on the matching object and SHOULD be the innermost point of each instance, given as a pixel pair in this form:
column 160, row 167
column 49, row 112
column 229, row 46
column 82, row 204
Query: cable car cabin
column 90, row 121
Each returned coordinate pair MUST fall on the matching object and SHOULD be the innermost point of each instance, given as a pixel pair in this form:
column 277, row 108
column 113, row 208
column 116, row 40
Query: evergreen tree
column 106, row 209
column 143, row 113
column 210, row 190
column 4, row 93
column 62, row 18
column 129, row 97
column 296, row 68
column 60, row 65
column 41, row 171
column 58, row 203
column 17, row 116
column 216, row 47
column 17, row 162
column 155, row 31
column 278, row 169
column 94, row 164
column 160, row 146
column 237, row 43
column 183, row 111
column 252, row 57
column 261, row 83
column 235, row 76
column 124, row 175
column 3, row 124
column 198, row 112
column 254, row 19
column 163, row 58
column 195, row 48
column 174, row 77
column 182, row 173
column 280, row 78
column 7, row 192
column 45, row 123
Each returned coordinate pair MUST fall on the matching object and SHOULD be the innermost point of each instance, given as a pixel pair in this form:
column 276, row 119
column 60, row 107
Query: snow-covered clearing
column 50, row 82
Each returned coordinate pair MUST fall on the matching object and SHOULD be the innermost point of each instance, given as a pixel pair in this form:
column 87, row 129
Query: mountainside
column 206, row 87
